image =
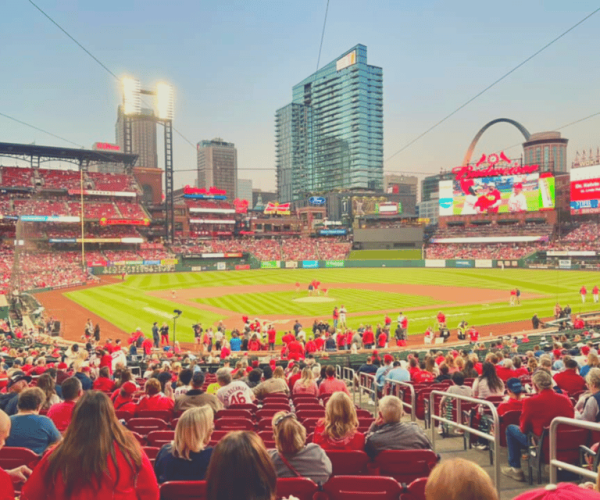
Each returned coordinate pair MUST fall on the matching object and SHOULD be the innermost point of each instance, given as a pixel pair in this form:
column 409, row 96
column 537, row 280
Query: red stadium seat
column 124, row 415
column 13, row 457
column 299, row 487
column 159, row 438
column 415, row 490
column 140, row 439
column 276, row 406
column 304, row 414
column 234, row 413
column 151, row 452
column 363, row 413
column 265, row 424
column 308, row 406
column 276, row 396
column 310, row 424
column 183, row 490
column 404, row 465
column 361, row 488
column 165, row 415
column 301, row 399
column 266, row 413
column 348, row 462
column 244, row 406
column 234, row 424
column 146, row 425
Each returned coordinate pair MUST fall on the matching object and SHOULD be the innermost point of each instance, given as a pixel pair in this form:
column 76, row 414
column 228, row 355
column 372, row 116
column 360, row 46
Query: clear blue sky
column 233, row 64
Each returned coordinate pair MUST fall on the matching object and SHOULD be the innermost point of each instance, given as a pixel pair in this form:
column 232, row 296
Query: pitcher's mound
column 314, row 298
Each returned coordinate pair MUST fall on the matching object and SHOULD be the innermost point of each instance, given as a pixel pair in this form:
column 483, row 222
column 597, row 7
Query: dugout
column 388, row 238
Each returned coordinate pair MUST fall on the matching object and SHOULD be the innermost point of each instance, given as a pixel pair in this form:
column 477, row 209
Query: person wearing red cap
column 123, row 398
column 517, row 201
column 562, row 491
column 388, row 365
column 538, row 411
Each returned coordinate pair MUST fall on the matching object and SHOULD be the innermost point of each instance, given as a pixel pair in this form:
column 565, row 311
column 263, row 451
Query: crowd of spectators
column 500, row 251
column 112, row 182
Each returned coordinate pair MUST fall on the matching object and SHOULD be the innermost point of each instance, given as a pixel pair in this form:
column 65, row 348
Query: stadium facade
column 330, row 137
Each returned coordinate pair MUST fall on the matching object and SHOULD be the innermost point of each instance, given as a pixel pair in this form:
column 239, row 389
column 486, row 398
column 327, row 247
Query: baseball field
column 479, row 296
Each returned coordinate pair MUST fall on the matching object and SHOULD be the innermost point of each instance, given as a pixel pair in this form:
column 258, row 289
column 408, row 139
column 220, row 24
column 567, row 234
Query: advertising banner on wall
column 564, row 264
column 270, row 264
column 335, row 263
column 221, row 266
column 333, row 232
column 374, row 205
column 242, row 267
column 291, row 264
column 435, row 263
column 483, row 263
column 92, row 192
column 585, row 190
column 310, row 264
column 463, row 263
column 571, row 253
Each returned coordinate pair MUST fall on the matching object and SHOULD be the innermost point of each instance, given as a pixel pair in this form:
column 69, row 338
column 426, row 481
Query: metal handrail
column 413, row 397
column 368, row 384
column 349, row 376
column 338, row 371
column 555, row 464
column 494, row 438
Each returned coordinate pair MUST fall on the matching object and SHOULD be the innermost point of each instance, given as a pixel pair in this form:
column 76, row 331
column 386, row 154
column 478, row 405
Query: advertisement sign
column 151, row 262
column 151, row 246
column 242, row 267
column 49, row 218
column 585, row 190
column 212, row 221
column 97, row 263
column 333, row 232
column 62, row 240
column 564, row 264
column 483, row 263
column 93, row 192
column 241, row 206
column 335, row 263
column 221, row 255
column 316, row 200
column 99, row 240
column 291, row 264
column 502, row 186
column 105, row 146
column 490, row 239
column 194, row 210
column 374, row 205
column 347, row 60
column 124, row 222
column 211, row 191
column 570, row 253
column 270, row 264
column 463, row 263
column 221, row 266
column 274, row 208
column 310, row 264
column 435, row 263
column 139, row 269
column 168, row 262
column 196, row 269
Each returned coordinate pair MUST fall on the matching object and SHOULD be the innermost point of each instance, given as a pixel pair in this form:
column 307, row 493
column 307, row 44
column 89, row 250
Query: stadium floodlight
column 164, row 101
column 132, row 104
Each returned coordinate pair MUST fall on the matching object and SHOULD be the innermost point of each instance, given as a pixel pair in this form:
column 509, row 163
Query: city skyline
column 435, row 56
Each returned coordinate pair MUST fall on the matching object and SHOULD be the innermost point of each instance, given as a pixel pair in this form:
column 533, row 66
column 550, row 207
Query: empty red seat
column 299, row 487
column 276, row 396
column 266, row 413
column 145, row 425
column 244, row 406
column 265, row 424
column 305, row 414
column 183, row 490
column 234, row 424
column 151, row 452
column 308, row 406
column 165, row 415
column 276, row 406
column 124, row 415
column 361, row 488
column 159, row 438
column 305, row 399
column 348, row 462
column 310, row 424
column 363, row 413
column 140, row 439
column 234, row 413
column 404, row 465
column 415, row 490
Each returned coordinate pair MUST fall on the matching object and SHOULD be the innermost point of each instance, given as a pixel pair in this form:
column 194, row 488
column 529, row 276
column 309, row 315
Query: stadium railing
column 399, row 389
column 554, row 463
column 368, row 384
column 349, row 377
column 493, row 438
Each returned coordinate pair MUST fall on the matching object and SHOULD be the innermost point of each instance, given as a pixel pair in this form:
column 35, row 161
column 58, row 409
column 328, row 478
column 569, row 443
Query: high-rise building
column 217, row 166
column 548, row 150
column 143, row 137
column 430, row 186
column 244, row 190
column 331, row 135
column 400, row 184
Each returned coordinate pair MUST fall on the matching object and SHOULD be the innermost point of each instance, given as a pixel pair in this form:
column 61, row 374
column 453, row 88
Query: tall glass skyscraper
column 331, row 135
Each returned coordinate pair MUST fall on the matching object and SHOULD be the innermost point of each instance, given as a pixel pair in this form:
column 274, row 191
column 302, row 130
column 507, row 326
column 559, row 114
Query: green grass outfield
column 128, row 306
column 405, row 254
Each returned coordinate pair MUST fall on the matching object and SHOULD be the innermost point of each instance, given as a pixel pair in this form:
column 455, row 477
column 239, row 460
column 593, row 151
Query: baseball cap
column 17, row 377
column 585, row 350
column 518, row 185
column 129, row 387
column 62, row 366
column 562, row 491
column 514, row 385
column 557, row 353
column 388, row 359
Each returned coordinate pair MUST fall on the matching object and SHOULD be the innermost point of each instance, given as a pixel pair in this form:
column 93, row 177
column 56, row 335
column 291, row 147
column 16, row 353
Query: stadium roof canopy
column 36, row 154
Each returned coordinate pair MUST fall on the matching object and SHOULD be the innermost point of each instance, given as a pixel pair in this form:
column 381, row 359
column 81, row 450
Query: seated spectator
column 61, row 413
column 196, row 397
column 183, row 382
column 272, row 384
column 459, row 479
column 538, row 412
column 254, row 378
column 398, row 373
column 245, row 453
column 103, row 382
column 338, row 430
column 233, row 392
column 46, row 383
column 514, row 402
column 588, row 406
column 28, row 428
column 17, row 383
column 7, row 477
column 469, row 371
column 592, row 362
column 98, row 458
column 154, row 399
column 306, row 384
column 388, row 432
column 488, row 384
column 188, row 456
column 444, row 373
column 459, row 388
column 82, row 373
column 505, row 370
column 293, row 457
column 569, row 380
column 123, row 398
column 331, row 384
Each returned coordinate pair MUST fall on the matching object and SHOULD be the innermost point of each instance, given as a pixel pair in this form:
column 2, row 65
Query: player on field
column 343, row 316
column 441, row 319
column 595, row 294
column 583, row 293
column 513, row 297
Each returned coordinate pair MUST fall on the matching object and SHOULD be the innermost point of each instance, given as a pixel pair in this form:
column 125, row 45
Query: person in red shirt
column 441, row 318
column 381, row 340
column 105, row 360
column 520, row 370
column 473, row 335
column 583, row 293
column 387, row 320
column 287, row 338
column 123, row 398
column 341, row 341
column 271, row 334
column 494, row 197
column 245, row 319
column 154, row 399
column 295, row 350
column 331, row 384
column 505, row 370
column 578, row 323
column 538, row 412
column 569, row 380
column 514, row 402
column 368, row 338
column 319, row 343
column 108, row 347
column 310, row 346
column 254, row 344
column 103, row 382
column 225, row 350
column 595, row 293
column 338, row 430
column 147, row 346
column 61, row 413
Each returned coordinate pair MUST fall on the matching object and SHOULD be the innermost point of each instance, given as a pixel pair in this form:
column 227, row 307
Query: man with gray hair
column 389, row 433
column 232, row 392
column 538, row 411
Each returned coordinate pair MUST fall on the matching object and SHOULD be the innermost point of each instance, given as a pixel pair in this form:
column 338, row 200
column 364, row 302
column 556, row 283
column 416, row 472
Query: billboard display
column 374, row 205
column 520, row 192
column 585, row 190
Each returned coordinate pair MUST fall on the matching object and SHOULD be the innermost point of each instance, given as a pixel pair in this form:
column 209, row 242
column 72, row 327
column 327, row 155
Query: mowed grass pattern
column 354, row 300
column 127, row 306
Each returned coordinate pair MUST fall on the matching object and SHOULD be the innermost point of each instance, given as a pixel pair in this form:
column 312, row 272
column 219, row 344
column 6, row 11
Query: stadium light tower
column 132, row 107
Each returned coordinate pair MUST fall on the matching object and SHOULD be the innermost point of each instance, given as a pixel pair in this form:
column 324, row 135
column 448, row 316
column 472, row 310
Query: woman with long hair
column 188, row 456
column 97, row 459
column 469, row 370
column 240, row 467
column 489, row 384
column 306, row 384
column 338, row 430
column 46, row 383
